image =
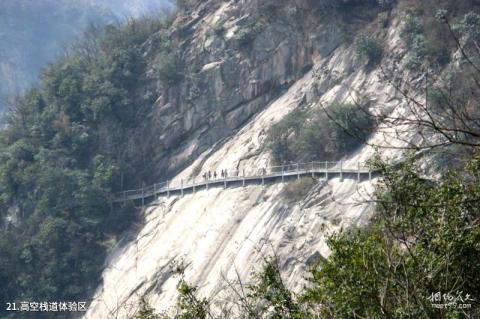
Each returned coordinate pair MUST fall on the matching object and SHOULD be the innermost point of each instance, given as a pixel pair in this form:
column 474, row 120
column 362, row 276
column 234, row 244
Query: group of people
column 208, row 175
column 223, row 174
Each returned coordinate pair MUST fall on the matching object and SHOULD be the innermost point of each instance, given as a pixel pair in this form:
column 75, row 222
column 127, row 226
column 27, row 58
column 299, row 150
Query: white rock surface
column 223, row 231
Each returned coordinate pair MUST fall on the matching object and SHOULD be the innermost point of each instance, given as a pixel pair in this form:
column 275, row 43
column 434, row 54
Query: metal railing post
column 314, row 167
column 243, row 180
column 341, row 170
column 358, row 171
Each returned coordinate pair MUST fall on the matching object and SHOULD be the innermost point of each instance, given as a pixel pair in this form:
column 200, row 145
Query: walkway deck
column 237, row 178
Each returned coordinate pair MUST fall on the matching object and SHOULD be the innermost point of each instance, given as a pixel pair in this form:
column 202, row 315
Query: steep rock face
column 224, row 233
column 235, row 57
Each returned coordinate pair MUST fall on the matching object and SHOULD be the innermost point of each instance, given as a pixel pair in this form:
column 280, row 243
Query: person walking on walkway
column 226, row 173
column 215, row 175
column 222, row 174
column 209, row 175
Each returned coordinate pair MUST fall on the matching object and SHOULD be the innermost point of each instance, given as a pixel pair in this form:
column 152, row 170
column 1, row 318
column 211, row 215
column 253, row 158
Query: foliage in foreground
column 424, row 240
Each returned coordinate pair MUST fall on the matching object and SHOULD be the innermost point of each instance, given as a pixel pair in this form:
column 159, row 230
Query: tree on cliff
column 66, row 147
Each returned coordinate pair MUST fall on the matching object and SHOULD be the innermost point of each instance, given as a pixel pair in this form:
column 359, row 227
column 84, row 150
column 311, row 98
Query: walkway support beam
column 358, row 172
column 341, row 170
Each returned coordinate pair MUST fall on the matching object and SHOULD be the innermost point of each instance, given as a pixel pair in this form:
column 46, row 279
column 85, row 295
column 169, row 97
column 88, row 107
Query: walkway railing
column 247, row 176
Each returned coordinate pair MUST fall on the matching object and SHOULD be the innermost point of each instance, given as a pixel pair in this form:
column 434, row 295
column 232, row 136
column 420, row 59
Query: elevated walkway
column 236, row 178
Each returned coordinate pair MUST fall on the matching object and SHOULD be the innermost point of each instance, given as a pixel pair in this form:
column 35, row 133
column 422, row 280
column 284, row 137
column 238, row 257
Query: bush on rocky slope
column 368, row 48
column 305, row 135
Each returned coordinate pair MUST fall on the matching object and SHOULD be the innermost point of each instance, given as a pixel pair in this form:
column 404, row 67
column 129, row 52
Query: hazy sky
column 133, row 7
column 32, row 32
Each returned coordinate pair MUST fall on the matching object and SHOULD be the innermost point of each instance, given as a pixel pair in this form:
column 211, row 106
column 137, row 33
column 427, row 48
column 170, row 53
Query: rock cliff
column 244, row 65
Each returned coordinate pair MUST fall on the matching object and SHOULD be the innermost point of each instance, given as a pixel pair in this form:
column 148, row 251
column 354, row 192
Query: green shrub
column 279, row 135
column 468, row 32
column 245, row 36
column 410, row 30
column 439, row 53
column 418, row 51
column 426, row 230
column 423, row 241
column 167, row 68
column 348, row 125
column 318, row 135
column 219, row 30
column 146, row 311
column 367, row 47
column 69, row 145
column 425, row 42
column 469, row 27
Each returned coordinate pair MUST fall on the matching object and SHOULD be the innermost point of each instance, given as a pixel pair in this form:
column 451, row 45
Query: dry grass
column 296, row 190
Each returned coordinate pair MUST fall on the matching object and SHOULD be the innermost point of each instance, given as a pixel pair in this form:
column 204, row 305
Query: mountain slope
column 236, row 85
column 224, row 232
